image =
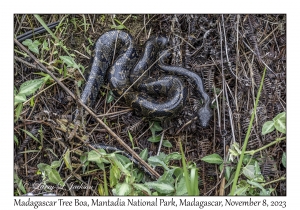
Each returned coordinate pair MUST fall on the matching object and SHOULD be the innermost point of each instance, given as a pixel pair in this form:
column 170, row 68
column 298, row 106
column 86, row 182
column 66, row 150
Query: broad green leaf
column 69, row 61
column 55, row 164
column 33, row 46
column 119, row 165
column 54, row 177
column 241, row 190
column 160, row 187
column 166, row 143
column 114, row 175
column 280, row 122
column 172, row 156
column 156, row 127
column 142, row 188
column 154, row 139
column 283, row 159
column 227, row 172
column 268, row 127
column 167, row 177
column 95, row 155
column 19, row 182
column 156, row 161
column 124, row 160
column 45, row 45
column 67, row 160
column 264, row 192
column 42, row 166
column 27, row 42
column 20, row 98
column 249, row 171
column 213, row 158
column 123, row 189
column 29, row 87
column 144, row 154
column 181, row 187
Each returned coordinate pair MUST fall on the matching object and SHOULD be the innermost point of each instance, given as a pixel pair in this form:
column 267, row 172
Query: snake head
column 204, row 115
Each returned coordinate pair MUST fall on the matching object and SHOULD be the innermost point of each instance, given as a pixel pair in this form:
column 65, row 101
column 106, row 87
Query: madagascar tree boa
column 115, row 50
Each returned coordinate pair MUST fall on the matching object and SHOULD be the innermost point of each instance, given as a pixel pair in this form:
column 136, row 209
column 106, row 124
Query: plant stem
column 237, row 172
column 276, row 180
column 252, row 152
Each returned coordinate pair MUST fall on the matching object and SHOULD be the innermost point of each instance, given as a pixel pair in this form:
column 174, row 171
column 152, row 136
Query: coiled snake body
column 115, row 50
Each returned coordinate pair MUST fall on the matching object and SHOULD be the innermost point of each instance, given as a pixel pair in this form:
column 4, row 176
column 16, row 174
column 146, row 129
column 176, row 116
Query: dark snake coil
column 115, row 50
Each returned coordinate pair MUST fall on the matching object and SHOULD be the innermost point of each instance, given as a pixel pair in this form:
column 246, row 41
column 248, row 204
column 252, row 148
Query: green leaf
column 16, row 139
column 30, row 134
column 42, row 166
column 157, row 161
column 33, row 46
column 110, row 97
column 95, row 155
column 19, row 182
column 154, row 139
column 172, row 156
column 166, row 143
column 20, row 98
column 130, row 138
column 54, row 177
column 280, row 122
column 227, row 172
column 241, row 190
column 167, row 177
column 249, row 171
column 55, row 164
column 18, row 111
column 268, row 127
column 67, row 160
column 119, row 165
column 142, row 188
column 181, row 187
column 124, row 160
column 27, row 42
column 194, row 181
column 69, row 61
column 213, row 158
column 123, row 189
column 29, row 87
column 264, row 192
column 114, row 175
column 45, row 45
column 156, row 127
column 164, row 188
column 283, row 159
column 144, row 154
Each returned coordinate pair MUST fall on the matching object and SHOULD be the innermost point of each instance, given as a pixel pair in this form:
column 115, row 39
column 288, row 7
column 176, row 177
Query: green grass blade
column 236, row 176
column 185, row 171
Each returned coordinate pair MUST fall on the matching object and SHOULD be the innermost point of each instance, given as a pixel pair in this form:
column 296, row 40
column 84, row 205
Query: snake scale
column 116, row 56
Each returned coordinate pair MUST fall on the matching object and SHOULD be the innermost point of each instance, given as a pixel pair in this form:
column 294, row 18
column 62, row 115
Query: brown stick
column 124, row 145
